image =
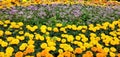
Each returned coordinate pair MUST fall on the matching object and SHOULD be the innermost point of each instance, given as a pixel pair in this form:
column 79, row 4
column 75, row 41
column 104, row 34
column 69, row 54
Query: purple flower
column 13, row 11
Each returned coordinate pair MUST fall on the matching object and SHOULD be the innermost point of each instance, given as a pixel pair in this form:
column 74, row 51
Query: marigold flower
column 4, row 44
column 43, row 45
column 78, row 50
column 19, row 54
column 1, row 33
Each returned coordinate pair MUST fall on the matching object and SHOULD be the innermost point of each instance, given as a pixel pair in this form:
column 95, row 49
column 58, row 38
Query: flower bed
column 66, row 13
column 99, row 40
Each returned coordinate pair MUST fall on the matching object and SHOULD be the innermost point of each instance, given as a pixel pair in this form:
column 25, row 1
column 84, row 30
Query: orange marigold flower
column 89, row 53
column 94, row 49
column 118, row 55
column 19, row 54
column 28, row 50
column 78, row 50
column 38, row 54
column 100, row 55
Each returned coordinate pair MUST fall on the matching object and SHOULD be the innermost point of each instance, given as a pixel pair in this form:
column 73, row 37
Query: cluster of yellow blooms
column 19, row 40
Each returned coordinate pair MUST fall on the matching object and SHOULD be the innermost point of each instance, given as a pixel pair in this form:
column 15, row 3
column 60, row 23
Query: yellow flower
column 24, row 0
column 63, row 40
column 58, row 24
column 30, row 42
column 43, row 27
column 70, row 38
column 106, row 49
column 62, row 29
column 1, row 23
column 112, row 54
column 49, row 28
column 8, row 33
column 52, row 48
column 77, row 37
column 74, row 27
column 7, row 21
column 1, row 33
column 9, row 51
column 84, row 31
column 15, row 41
column 4, row 44
column 10, row 39
column 58, row 39
column 21, row 32
column 35, row 27
column 41, row 38
column 55, row 30
column 23, row 46
column 84, row 39
column 43, row 45
column 2, row 54
column 79, row 27
column 112, row 49
column 60, row 51
column 69, row 26
column 50, row 43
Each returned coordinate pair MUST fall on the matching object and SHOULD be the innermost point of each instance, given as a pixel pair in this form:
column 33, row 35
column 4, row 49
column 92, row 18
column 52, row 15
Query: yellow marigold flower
column 84, row 39
column 1, row 23
column 4, row 44
column 2, row 54
column 1, row 41
column 58, row 24
column 74, row 27
column 49, row 28
column 35, row 27
column 63, row 40
column 50, row 43
column 58, row 39
column 55, row 30
column 47, row 33
column 113, row 49
column 7, row 21
column 41, row 38
column 70, row 38
column 52, row 48
column 23, row 46
column 106, row 49
column 60, row 51
column 1, row 33
column 43, row 45
column 83, row 31
column 79, row 27
column 15, row 41
column 62, row 29
column 43, row 27
column 9, row 51
column 69, row 26
column 43, row 30
column 24, row 0
column 21, row 32
column 8, row 33
column 77, row 37
column 19, row 54
column 30, row 42
column 5, row 25
column 10, row 38
column 112, row 54
column 16, row 26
